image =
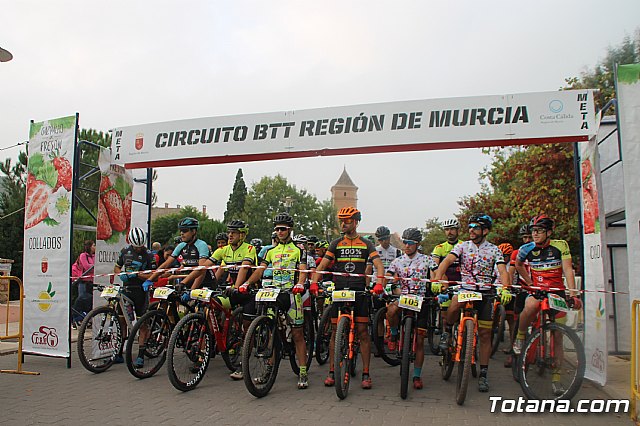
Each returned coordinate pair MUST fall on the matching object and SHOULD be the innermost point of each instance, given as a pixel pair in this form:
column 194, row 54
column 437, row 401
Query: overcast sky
column 121, row 63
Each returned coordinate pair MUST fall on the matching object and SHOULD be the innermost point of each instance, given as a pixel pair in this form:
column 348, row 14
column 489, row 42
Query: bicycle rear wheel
column 464, row 366
column 261, row 353
column 406, row 340
column 154, row 328
column 190, row 347
column 381, row 336
column 341, row 361
column 447, row 363
column 233, row 355
column 497, row 331
column 323, row 339
column 551, row 368
column 435, row 328
column 100, row 339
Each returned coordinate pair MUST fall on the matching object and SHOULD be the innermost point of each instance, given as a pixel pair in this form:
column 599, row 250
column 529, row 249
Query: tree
column 164, row 229
column 266, row 198
column 432, row 235
column 12, row 193
column 237, row 198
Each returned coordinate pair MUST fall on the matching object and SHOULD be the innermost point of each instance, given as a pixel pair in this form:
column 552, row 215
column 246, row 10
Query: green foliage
column 237, row 198
column 601, row 77
column 12, row 193
column 432, row 235
column 164, row 229
column 266, row 199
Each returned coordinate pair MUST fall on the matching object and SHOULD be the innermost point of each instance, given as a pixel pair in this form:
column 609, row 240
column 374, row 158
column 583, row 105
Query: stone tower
column 344, row 193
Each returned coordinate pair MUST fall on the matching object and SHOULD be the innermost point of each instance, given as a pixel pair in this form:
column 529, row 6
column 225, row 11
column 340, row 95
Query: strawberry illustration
column 37, row 200
column 105, row 184
column 65, row 173
column 115, row 211
column 30, row 180
column 104, row 227
column 126, row 206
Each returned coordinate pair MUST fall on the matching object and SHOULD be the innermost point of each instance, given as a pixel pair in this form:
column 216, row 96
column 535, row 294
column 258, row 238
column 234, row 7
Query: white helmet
column 451, row 223
column 137, row 237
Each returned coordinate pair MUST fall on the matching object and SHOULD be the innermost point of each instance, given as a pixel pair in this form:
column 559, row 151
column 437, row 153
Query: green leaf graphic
column 53, row 293
column 34, row 129
column 122, row 187
column 115, row 238
column 48, row 174
column 49, row 287
column 36, row 161
column 51, row 222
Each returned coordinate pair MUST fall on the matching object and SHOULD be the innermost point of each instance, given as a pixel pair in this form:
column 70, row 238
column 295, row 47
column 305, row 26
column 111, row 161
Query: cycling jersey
column 286, row 256
column 416, row 267
column 387, row 256
column 440, row 252
column 545, row 263
column 233, row 258
column 477, row 262
column 351, row 255
column 268, row 273
column 133, row 261
column 189, row 254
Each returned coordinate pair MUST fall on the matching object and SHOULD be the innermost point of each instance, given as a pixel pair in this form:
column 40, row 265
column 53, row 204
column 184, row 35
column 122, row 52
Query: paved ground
column 76, row 397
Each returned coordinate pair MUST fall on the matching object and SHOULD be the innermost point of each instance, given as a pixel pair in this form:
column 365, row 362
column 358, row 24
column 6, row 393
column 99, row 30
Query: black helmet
column 189, row 223
column 221, row 237
column 524, row 230
column 283, row 219
column 412, row 234
column 238, row 225
column 484, row 220
column 383, row 233
column 542, row 221
column 256, row 242
column 312, row 239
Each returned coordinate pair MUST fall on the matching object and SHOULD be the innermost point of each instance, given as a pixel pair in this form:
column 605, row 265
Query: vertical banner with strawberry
column 114, row 214
column 594, row 251
column 47, row 236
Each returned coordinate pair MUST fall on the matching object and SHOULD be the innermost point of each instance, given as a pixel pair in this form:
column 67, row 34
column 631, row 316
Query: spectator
column 84, row 267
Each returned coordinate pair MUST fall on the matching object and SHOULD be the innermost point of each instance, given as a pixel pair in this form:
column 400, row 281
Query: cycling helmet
column 524, row 230
column 484, row 220
column 221, row 237
column 137, row 237
column 506, row 249
column 542, row 221
column 382, row 233
column 370, row 238
column 189, row 223
column 283, row 219
column 238, row 225
column 350, row 213
column 322, row 244
column 313, row 239
column 256, row 242
column 412, row 234
column 300, row 239
column 451, row 223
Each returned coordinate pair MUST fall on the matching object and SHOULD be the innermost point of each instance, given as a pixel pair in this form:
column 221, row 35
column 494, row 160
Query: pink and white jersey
column 477, row 262
column 416, row 267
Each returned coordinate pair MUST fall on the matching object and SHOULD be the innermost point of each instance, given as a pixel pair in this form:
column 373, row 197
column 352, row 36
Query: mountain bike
column 347, row 342
column 552, row 362
column 498, row 326
column 323, row 334
column 434, row 332
column 149, row 337
column 214, row 328
column 108, row 326
column 268, row 340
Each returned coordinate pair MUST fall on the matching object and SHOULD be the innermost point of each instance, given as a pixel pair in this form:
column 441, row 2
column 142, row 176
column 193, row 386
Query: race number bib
column 162, row 292
column 558, row 303
column 109, row 292
column 344, row 296
column 267, row 294
column 410, row 301
column 202, row 294
column 469, row 296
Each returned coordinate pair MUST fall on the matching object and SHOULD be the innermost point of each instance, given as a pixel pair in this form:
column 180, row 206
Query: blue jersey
column 191, row 253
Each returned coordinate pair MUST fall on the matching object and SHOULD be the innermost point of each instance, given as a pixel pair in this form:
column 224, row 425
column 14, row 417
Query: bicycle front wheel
column 552, row 363
column 233, row 355
column 382, row 334
column 146, row 348
column 190, row 347
column 435, row 328
column 341, row 361
column 100, row 339
column 323, row 339
column 407, row 340
column 497, row 331
column 261, row 356
column 464, row 366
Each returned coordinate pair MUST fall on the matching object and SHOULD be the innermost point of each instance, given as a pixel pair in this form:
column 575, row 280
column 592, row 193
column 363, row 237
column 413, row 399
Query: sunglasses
column 409, row 242
column 184, row 230
column 538, row 230
column 474, row 226
column 281, row 228
column 346, row 221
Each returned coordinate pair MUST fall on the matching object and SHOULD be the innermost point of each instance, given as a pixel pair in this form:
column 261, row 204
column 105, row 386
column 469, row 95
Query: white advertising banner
column 47, row 236
column 562, row 116
column 628, row 89
column 114, row 215
column 595, row 318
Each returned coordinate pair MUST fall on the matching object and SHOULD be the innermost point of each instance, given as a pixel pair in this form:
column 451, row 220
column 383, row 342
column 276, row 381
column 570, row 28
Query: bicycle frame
column 345, row 309
column 468, row 311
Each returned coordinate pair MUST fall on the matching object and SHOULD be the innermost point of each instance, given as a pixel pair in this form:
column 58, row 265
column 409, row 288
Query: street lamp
column 5, row 55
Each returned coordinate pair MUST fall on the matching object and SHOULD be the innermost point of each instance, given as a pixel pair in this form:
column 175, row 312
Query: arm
column 321, row 267
column 569, row 273
column 255, row 277
column 505, row 278
column 368, row 271
column 379, row 270
column 194, row 276
column 522, row 271
column 302, row 278
column 442, row 267
column 168, row 262
column 245, row 271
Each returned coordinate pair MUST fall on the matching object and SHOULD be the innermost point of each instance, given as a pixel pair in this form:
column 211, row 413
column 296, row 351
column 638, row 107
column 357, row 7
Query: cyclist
column 288, row 260
column 191, row 251
column 548, row 261
column 477, row 258
column 451, row 229
column 133, row 259
column 412, row 270
column 303, row 242
column 257, row 244
column 268, row 273
column 351, row 253
column 312, row 240
column 221, row 240
column 386, row 251
column 321, row 250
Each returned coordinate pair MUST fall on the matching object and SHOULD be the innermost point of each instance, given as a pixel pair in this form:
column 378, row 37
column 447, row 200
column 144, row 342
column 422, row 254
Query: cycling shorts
column 139, row 297
column 287, row 302
column 484, row 308
column 360, row 309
